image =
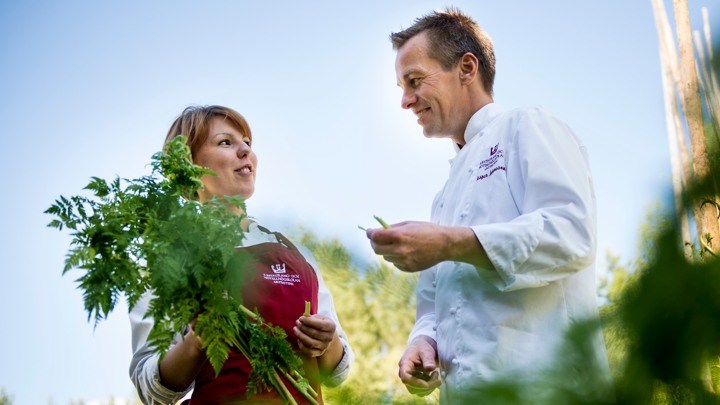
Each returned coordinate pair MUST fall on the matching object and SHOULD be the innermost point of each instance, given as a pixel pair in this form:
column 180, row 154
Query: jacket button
column 434, row 327
column 452, row 311
column 455, row 362
column 443, row 374
column 434, row 283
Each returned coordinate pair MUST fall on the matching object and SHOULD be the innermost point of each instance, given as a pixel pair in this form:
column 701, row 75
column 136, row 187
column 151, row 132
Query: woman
column 220, row 139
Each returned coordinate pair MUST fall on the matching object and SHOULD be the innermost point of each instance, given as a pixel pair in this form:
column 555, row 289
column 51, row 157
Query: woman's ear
column 468, row 68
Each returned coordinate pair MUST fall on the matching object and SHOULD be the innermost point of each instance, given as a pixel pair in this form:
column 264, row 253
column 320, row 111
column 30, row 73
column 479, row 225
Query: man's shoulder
column 527, row 112
column 521, row 119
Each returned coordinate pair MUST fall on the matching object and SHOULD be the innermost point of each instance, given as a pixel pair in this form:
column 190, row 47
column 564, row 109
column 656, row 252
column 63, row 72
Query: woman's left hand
column 315, row 333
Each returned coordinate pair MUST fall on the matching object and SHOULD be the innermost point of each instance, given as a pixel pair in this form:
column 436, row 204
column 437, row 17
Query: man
column 507, row 263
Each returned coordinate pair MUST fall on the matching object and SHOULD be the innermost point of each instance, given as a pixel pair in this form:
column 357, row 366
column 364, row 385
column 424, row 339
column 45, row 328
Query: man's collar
column 480, row 120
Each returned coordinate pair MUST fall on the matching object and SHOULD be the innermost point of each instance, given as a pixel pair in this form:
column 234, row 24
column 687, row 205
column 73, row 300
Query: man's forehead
column 413, row 58
column 415, row 47
column 409, row 56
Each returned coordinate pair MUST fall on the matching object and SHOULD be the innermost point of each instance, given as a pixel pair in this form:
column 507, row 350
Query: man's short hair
column 452, row 34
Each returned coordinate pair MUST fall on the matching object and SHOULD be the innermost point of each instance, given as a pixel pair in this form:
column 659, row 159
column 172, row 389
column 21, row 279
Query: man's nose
column 408, row 99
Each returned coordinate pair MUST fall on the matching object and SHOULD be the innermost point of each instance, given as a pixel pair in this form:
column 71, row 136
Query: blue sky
column 89, row 89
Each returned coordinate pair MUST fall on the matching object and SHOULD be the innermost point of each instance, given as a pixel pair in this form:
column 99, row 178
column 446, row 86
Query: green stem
column 279, row 386
column 276, row 382
column 297, row 376
column 310, row 394
column 282, row 389
column 250, row 314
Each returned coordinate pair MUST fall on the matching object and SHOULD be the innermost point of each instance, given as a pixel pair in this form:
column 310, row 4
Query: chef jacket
column 522, row 183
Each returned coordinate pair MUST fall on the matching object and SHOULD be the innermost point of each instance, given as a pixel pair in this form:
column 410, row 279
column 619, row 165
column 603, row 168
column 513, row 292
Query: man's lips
column 419, row 113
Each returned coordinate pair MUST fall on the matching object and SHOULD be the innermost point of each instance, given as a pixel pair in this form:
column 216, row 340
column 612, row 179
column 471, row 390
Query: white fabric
column 522, row 183
column 144, row 364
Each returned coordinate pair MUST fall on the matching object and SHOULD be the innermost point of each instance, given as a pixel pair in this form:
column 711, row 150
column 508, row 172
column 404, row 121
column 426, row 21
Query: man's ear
column 468, row 68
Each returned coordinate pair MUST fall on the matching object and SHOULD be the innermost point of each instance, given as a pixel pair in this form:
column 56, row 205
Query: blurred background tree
column 5, row 398
column 692, row 109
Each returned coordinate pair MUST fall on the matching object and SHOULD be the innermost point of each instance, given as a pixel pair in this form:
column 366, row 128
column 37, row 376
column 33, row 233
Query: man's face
column 433, row 94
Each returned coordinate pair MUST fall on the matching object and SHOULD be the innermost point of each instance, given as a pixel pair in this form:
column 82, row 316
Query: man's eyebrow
column 407, row 75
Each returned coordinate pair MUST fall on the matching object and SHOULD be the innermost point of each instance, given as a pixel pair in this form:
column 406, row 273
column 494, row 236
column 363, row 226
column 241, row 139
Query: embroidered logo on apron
column 278, row 268
column 282, row 279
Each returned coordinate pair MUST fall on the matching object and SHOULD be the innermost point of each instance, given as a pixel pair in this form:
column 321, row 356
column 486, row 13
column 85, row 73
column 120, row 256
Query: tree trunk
column 710, row 230
column 679, row 159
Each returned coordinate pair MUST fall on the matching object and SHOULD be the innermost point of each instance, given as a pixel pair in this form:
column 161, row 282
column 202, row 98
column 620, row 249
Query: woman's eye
column 248, row 142
column 224, row 142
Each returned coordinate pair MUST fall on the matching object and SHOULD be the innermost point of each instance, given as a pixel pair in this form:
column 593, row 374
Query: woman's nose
column 243, row 149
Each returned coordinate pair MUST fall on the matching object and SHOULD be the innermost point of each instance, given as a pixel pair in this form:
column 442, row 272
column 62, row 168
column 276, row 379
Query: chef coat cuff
column 425, row 325
column 509, row 246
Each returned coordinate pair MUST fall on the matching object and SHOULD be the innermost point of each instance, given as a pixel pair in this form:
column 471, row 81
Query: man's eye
column 414, row 82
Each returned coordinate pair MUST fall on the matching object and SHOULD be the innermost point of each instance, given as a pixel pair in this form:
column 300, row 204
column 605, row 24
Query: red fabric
column 278, row 288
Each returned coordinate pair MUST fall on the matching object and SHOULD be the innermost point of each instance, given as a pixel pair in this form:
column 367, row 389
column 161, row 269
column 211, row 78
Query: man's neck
column 476, row 103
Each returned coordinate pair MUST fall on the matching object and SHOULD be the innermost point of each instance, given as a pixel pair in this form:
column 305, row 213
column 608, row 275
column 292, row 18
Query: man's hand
column 417, row 367
column 314, row 333
column 410, row 246
column 414, row 246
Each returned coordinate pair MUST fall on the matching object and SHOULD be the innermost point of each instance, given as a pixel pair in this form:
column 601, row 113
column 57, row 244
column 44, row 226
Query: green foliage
column 135, row 236
column 672, row 315
column 661, row 327
column 5, row 398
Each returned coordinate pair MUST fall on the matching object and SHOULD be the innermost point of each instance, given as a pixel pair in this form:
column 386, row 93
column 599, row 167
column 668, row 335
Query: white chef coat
column 522, row 182
column 144, row 371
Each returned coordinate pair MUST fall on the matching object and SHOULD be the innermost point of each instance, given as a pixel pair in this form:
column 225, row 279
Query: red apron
column 278, row 288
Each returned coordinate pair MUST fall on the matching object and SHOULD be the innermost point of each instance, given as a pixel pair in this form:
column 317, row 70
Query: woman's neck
column 237, row 210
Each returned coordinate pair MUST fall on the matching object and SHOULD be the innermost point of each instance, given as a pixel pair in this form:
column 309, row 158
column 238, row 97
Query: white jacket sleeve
column 326, row 307
column 554, row 234
column 144, row 371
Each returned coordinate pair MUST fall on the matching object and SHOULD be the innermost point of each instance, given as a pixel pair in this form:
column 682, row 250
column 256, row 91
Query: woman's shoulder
column 257, row 234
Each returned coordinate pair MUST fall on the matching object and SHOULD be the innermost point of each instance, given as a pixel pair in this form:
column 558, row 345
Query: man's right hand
column 418, row 368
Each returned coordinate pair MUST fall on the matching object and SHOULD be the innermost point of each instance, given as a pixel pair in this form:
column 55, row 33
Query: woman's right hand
column 192, row 337
column 183, row 361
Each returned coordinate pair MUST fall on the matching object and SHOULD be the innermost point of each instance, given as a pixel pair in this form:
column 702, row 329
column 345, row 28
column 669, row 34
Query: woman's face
column 227, row 152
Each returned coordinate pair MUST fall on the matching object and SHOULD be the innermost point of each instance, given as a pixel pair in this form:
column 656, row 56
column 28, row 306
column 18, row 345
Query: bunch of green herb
column 148, row 235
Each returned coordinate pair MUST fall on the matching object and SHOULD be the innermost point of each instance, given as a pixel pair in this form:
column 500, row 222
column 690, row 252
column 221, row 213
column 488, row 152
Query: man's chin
column 434, row 133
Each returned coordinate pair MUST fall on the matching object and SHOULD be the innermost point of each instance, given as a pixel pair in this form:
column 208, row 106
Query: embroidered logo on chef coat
column 490, row 165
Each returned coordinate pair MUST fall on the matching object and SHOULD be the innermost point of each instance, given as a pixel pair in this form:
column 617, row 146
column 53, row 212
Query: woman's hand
column 192, row 337
column 318, row 338
column 183, row 361
column 315, row 333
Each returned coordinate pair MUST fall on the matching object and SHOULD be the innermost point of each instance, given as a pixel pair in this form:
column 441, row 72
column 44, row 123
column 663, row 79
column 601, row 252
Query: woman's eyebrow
column 221, row 133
